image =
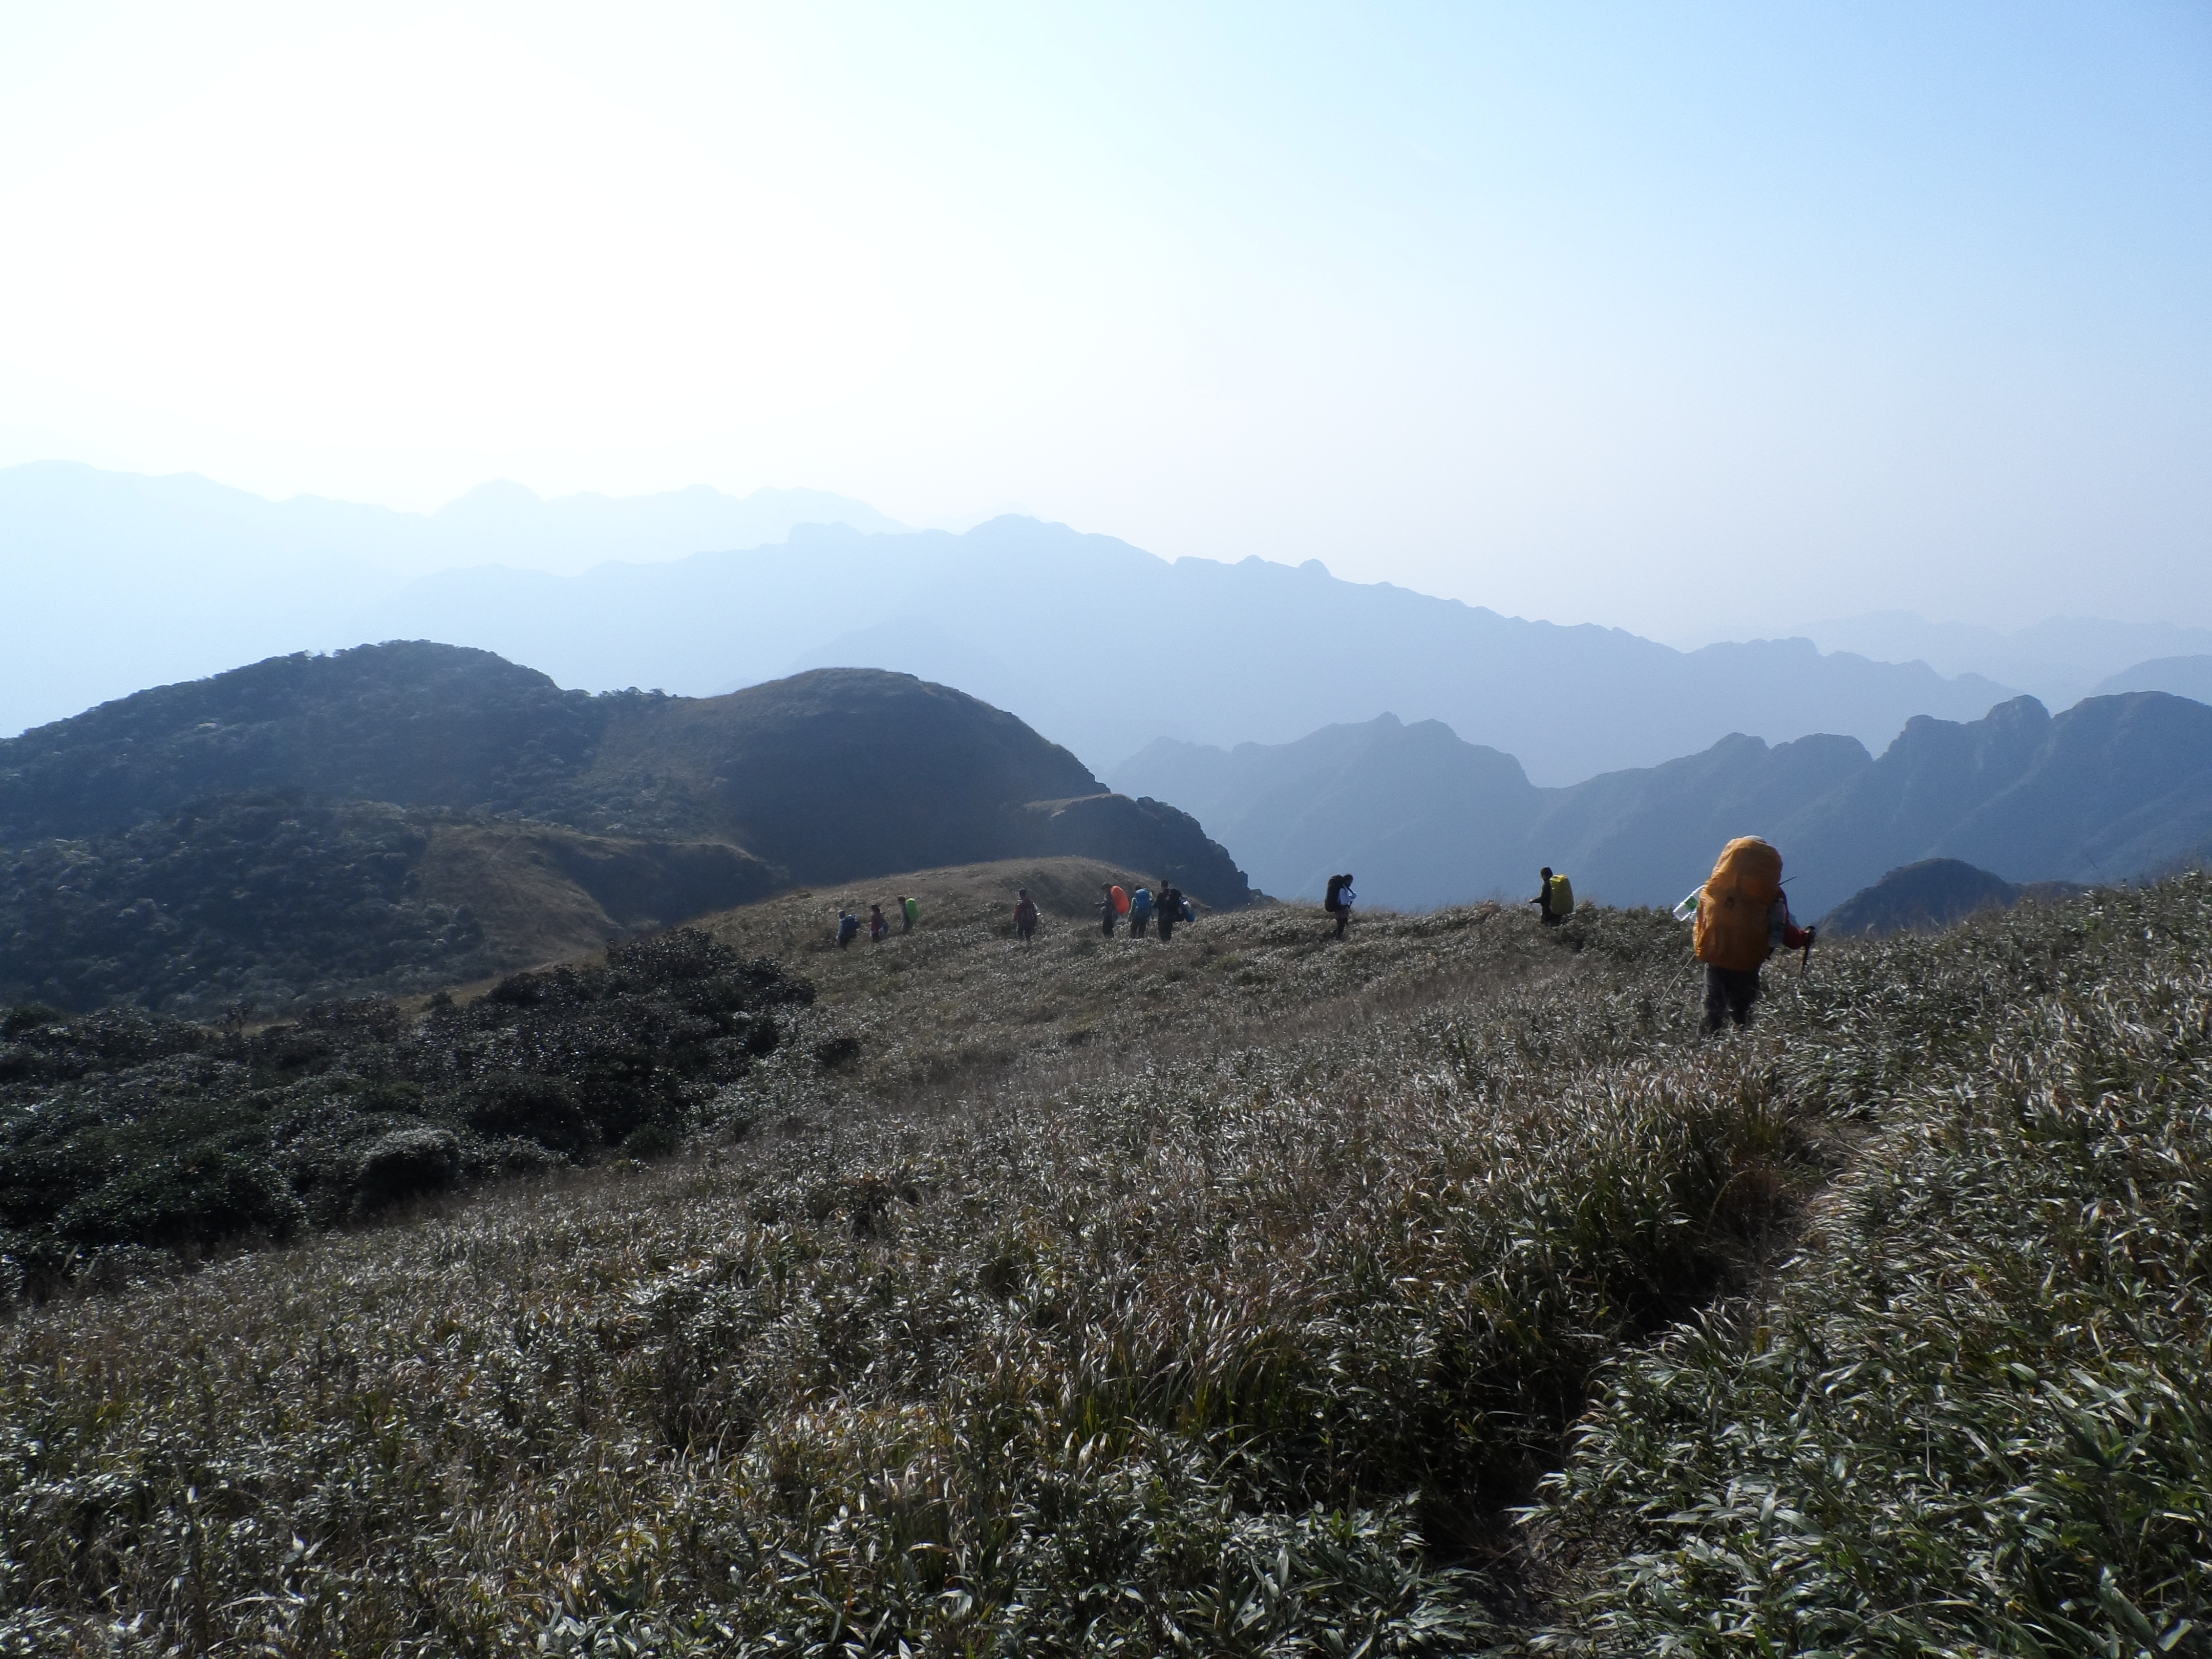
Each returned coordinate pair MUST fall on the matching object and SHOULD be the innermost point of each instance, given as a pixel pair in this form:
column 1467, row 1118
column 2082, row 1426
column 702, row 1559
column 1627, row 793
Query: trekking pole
column 1806, row 961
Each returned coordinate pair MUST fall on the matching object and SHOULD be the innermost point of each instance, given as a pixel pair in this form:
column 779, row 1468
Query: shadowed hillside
column 1932, row 895
column 270, row 900
column 411, row 814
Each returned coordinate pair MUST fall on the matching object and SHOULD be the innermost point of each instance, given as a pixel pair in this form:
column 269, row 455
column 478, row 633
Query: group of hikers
column 1741, row 915
column 1116, row 902
column 878, row 926
column 1143, row 910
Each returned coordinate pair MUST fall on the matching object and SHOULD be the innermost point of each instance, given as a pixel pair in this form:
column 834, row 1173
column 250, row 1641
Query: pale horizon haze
column 1674, row 320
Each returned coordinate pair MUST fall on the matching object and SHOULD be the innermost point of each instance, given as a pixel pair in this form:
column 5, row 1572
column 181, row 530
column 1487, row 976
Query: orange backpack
column 1732, row 911
column 1120, row 899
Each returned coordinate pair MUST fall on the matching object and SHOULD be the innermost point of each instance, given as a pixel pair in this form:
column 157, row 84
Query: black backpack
column 1334, row 902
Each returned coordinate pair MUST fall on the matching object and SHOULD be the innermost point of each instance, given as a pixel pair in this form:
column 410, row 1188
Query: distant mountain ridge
column 379, row 807
column 2179, row 677
column 1103, row 647
column 2059, row 661
column 117, row 580
column 2113, row 788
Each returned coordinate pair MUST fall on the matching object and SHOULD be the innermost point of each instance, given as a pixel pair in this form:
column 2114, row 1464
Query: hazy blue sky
column 1580, row 311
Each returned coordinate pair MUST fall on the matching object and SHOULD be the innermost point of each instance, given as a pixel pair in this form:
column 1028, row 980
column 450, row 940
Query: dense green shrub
column 406, row 1163
column 545, row 1109
column 194, row 1198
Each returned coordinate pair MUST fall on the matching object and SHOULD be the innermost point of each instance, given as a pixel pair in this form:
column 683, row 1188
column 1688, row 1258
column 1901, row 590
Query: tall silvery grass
column 1974, row 1414
column 1239, row 1322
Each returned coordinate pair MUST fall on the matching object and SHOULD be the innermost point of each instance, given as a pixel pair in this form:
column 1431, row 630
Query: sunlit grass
column 1224, row 1297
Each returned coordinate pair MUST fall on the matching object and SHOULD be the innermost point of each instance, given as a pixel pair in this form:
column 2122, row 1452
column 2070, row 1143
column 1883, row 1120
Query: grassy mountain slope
column 1225, row 1296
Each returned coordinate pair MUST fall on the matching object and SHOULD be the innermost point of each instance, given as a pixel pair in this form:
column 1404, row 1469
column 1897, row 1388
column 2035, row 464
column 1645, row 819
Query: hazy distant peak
column 495, row 496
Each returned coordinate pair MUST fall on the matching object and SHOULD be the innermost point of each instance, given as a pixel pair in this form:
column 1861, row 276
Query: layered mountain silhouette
column 2060, row 660
column 1100, row 646
column 117, row 580
column 408, row 814
column 2179, row 677
column 1103, row 645
column 2114, row 788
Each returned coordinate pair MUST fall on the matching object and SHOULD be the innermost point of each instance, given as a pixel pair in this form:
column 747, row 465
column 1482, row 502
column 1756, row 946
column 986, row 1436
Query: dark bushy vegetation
column 127, row 1129
column 260, row 899
column 409, row 721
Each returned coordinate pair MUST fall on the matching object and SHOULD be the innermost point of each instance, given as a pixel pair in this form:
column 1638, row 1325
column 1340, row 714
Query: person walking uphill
column 1741, row 917
column 878, row 929
column 1555, row 897
column 848, row 927
column 1140, row 913
column 1338, row 902
column 1168, row 910
column 1114, row 906
column 910, row 913
column 1025, row 914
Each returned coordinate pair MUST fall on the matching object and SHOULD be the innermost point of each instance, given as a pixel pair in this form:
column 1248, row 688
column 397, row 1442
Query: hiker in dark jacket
column 1108, row 911
column 1338, row 902
column 1025, row 914
column 1167, row 909
column 1544, row 896
column 878, row 929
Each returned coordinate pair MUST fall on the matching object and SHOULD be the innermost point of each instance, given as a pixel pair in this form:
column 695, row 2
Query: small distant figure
column 1025, row 915
column 849, row 928
column 910, row 913
column 1337, row 904
column 879, row 929
column 1168, row 908
column 1555, row 897
column 1184, row 903
column 1140, row 913
column 1108, row 910
column 1741, row 917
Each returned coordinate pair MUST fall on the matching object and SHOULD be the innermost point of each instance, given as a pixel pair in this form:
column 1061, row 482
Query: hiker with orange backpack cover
column 1742, row 916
